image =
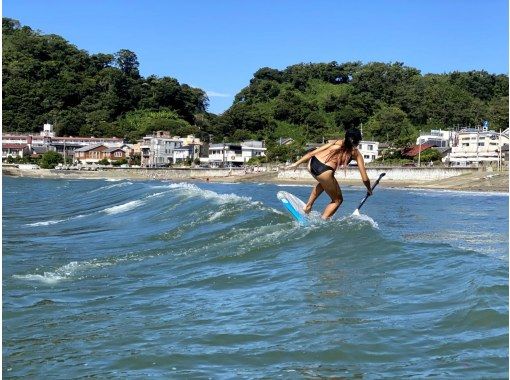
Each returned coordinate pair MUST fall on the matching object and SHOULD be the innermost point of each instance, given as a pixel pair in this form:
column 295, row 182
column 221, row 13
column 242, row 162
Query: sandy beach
column 474, row 181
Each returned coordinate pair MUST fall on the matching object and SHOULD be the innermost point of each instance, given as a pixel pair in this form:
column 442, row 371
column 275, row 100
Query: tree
column 450, row 104
column 267, row 73
column 428, row 155
column 348, row 117
column 136, row 124
column 46, row 79
column 498, row 113
column 50, row 159
column 390, row 124
column 383, row 80
column 127, row 62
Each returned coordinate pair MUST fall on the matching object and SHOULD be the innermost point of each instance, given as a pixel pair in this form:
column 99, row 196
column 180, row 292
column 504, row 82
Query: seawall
column 392, row 174
column 469, row 179
column 132, row 173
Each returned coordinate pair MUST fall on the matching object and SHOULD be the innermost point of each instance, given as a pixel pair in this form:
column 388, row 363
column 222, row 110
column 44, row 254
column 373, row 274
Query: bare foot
column 307, row 209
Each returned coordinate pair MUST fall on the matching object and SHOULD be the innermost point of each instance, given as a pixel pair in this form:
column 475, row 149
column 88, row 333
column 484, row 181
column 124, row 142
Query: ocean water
column 124, row 279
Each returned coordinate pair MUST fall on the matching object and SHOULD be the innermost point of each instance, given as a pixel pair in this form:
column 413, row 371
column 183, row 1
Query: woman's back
column 336, row 155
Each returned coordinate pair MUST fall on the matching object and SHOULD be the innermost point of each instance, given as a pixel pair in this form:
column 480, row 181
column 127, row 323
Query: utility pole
column 477, row 139
column 419, row 150
column 500, row 164
column 224, row 152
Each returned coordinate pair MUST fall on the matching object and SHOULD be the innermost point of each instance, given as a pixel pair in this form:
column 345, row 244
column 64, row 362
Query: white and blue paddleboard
column 294, row 206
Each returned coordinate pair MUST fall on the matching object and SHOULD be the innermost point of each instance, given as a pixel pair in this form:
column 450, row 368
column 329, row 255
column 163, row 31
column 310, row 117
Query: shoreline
column 479, row 181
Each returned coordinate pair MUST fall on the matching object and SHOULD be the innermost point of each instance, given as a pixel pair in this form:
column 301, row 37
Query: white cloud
column 214, row 94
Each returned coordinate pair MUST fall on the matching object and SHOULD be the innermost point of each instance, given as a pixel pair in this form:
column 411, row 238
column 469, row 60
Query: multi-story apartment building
column 437, row 138
column 226, row 154
column 162, row 149
column 476, row 147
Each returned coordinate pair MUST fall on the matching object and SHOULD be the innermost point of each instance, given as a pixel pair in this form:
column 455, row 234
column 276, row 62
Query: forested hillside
column 392, row 101
column 45, row 78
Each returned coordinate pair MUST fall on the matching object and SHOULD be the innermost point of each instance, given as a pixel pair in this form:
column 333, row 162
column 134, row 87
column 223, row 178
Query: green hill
column 47, row 79
column 309, row 102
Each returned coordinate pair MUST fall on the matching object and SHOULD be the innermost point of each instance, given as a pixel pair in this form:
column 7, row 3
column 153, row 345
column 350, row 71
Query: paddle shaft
column 373, row 187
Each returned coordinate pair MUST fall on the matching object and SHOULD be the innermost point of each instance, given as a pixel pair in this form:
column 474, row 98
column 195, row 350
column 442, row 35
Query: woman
column 322, row 164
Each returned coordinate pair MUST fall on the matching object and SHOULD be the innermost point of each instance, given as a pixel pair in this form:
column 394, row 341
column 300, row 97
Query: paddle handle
column 373, row 187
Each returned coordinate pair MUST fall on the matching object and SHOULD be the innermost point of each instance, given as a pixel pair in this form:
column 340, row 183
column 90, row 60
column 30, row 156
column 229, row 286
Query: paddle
column 356, row 212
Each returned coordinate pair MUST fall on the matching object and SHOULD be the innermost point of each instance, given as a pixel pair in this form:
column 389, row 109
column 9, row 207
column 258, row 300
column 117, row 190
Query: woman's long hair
column 351, row 141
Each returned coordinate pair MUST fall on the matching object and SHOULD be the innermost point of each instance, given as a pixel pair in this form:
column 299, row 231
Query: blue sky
column 217, row 45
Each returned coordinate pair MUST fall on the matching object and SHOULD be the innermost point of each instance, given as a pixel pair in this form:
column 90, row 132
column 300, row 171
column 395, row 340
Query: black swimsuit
column 317, row 167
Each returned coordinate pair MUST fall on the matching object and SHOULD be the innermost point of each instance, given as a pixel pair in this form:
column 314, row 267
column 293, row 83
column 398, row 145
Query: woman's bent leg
column 316, row 191
column 330, row 185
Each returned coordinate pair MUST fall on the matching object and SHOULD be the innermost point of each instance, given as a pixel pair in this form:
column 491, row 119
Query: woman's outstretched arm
column 363, row 172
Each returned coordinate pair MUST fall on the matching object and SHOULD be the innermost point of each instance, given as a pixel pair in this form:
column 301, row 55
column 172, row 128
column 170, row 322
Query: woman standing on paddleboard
column 322, row 164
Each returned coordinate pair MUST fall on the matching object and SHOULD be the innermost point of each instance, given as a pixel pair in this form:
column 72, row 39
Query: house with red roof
column 15, row 150
column 94, row 153
column 416, row 149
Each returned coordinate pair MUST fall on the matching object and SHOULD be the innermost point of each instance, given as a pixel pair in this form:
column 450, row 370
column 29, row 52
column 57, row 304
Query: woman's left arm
column 363, row 172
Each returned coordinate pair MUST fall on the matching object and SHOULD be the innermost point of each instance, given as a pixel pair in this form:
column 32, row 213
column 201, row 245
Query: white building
column 369, row 150
column 162, row 149
column 189, row 150
column 226, row 154
column 438, row 138
column 158, row 149
column 475, row 147
column 252, row 148
column 47, row 130
column 186, row 153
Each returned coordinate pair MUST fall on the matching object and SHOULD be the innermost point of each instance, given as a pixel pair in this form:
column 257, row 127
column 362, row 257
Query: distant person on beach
column 322, row 164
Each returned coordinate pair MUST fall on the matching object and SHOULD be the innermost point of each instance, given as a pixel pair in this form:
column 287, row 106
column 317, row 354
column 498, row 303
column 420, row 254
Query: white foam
column 123, row 207
column 157, row 194
column 115, row 185
column 50, row 222
column 62, row 273
column 360, row 218
column 193, row 190
column 45, row 223
column 215, row 215
column 47, row 278
column 247, row 239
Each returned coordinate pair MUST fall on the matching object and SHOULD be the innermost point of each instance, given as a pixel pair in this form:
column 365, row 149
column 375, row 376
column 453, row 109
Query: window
column 465, row 144
column 367, row 156
column 370, row 147
column 481, row 144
